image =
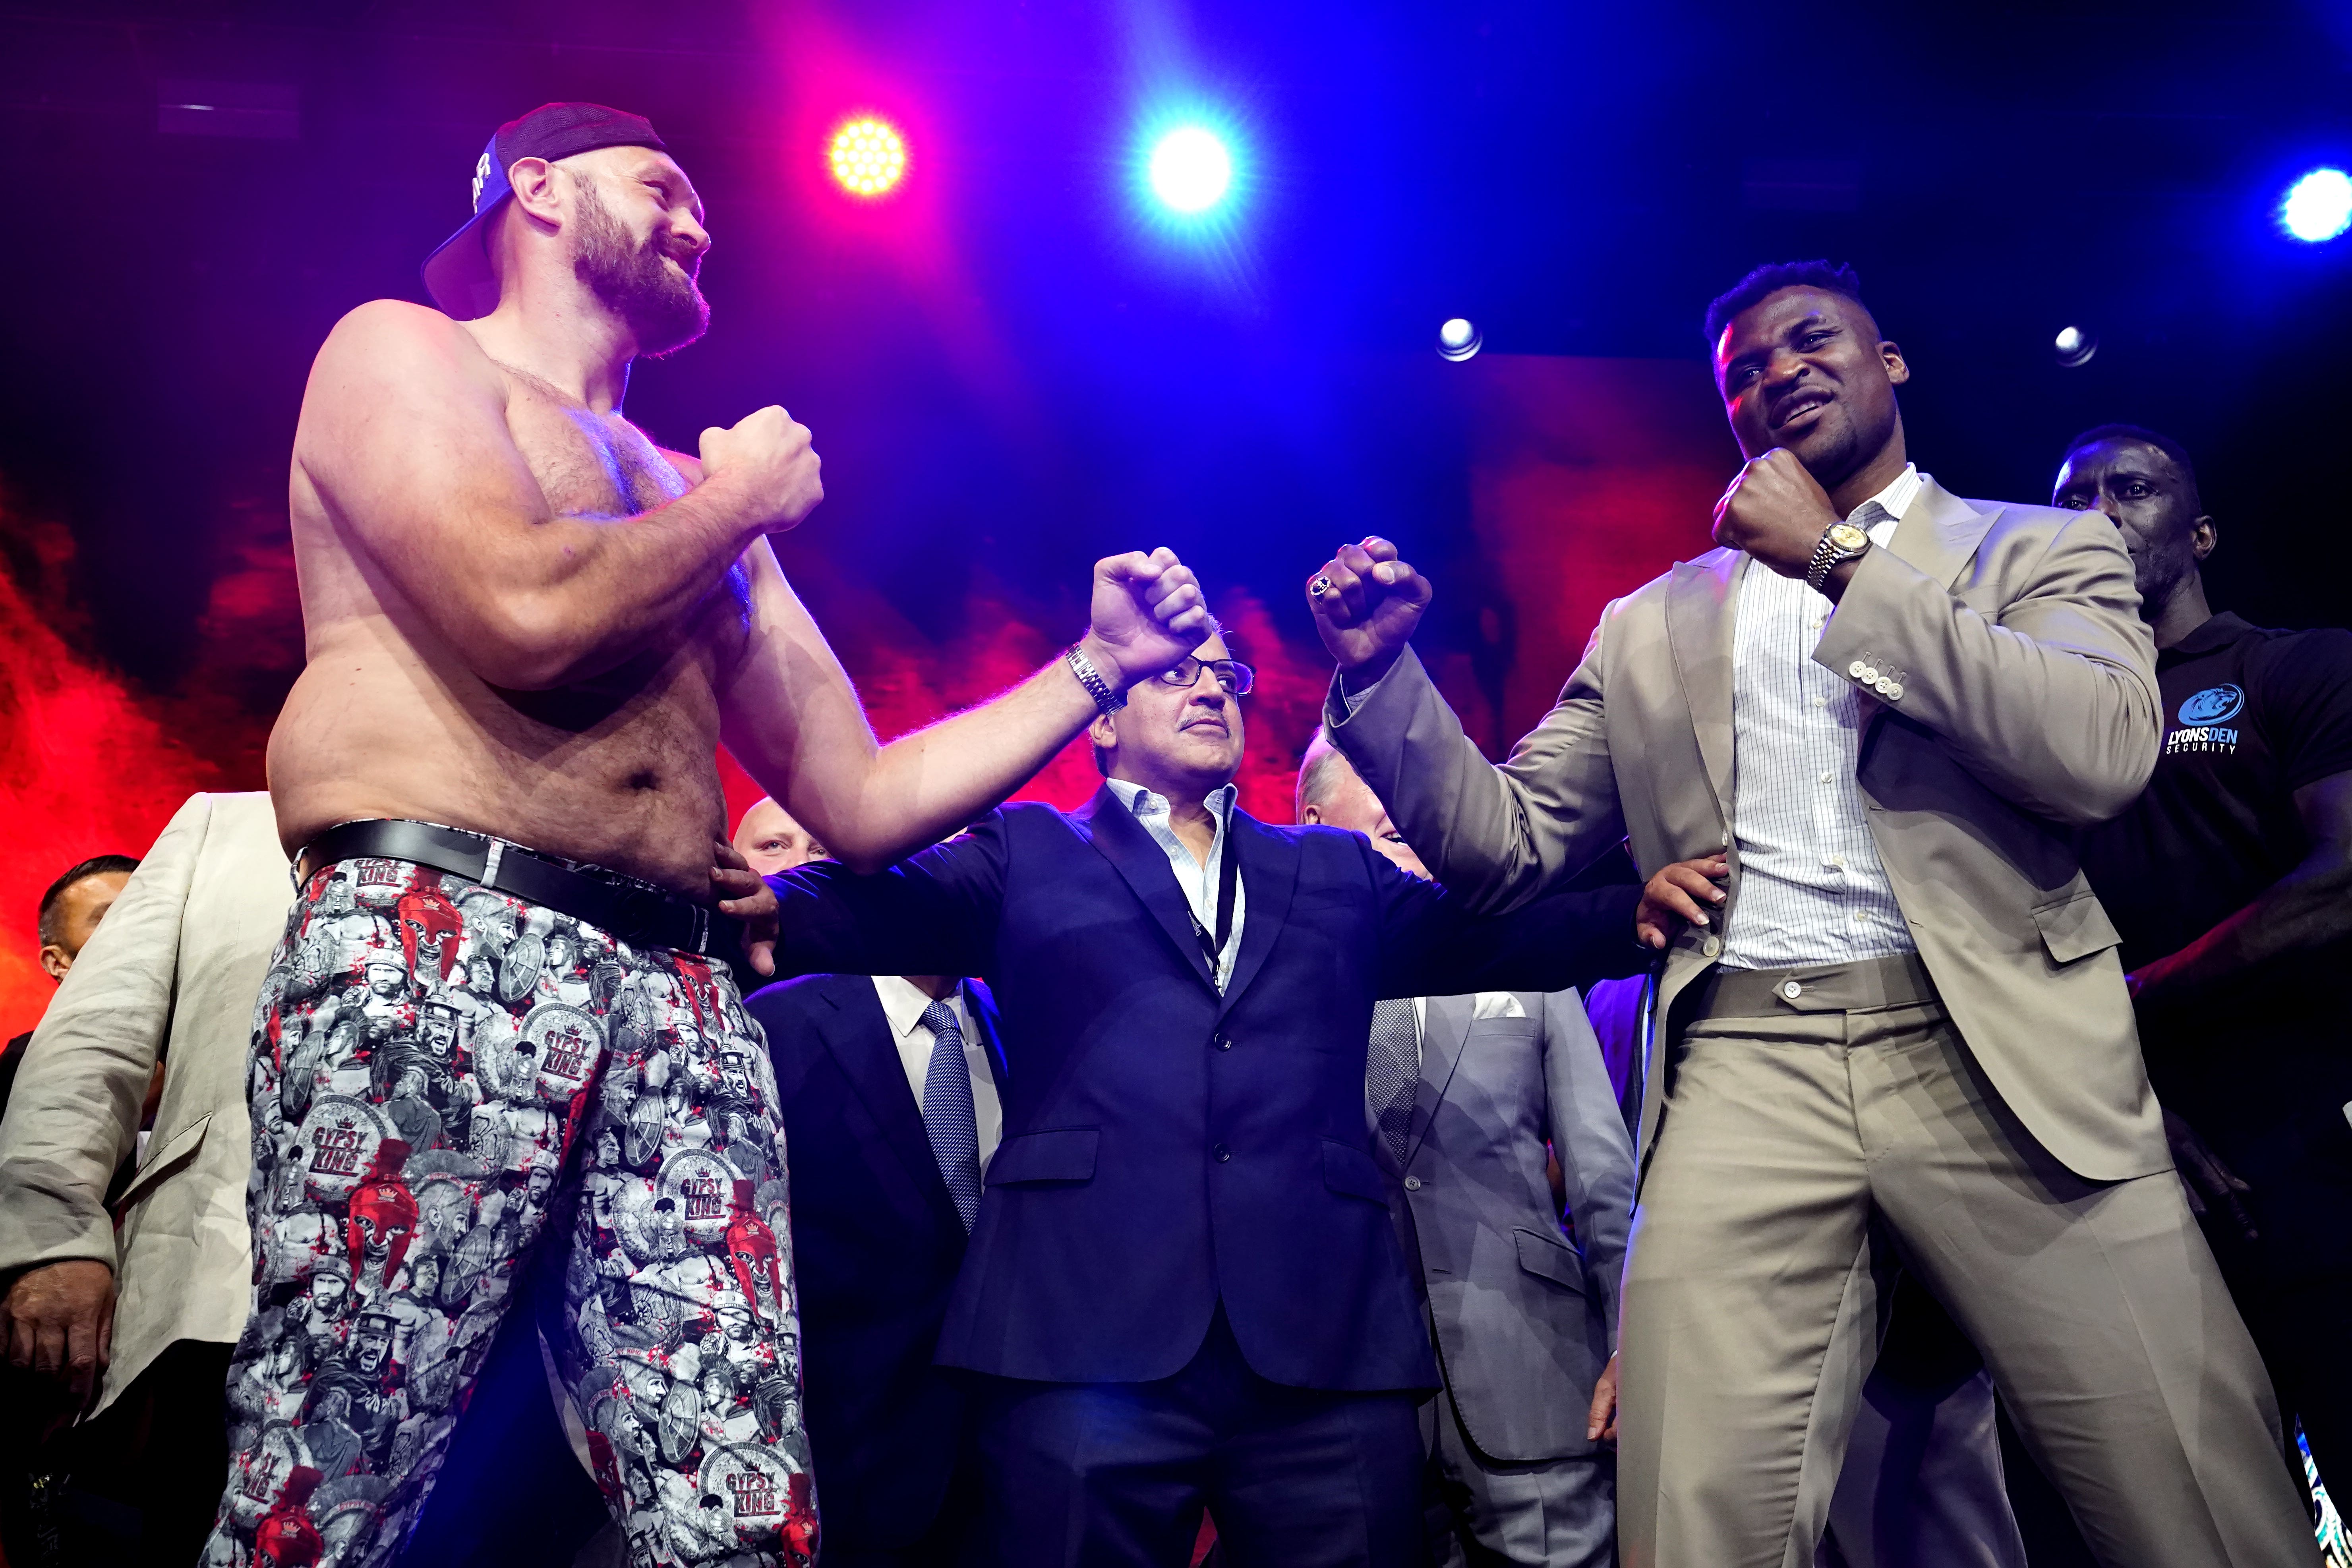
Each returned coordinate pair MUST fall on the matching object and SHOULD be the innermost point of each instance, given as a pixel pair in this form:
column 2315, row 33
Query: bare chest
column 589, row 464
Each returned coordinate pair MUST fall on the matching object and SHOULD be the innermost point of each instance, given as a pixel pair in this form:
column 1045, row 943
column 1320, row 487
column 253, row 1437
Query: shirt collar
column 1141, row 802
column 2217, row 631
column 1896, row 500
column 904, row 1002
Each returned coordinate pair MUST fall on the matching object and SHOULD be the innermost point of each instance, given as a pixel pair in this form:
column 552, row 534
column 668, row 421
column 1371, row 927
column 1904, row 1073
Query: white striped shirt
column 1198, row 883
column 1811, row 890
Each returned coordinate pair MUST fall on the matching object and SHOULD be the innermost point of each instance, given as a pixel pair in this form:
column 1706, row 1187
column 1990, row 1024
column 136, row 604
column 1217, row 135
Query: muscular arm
column 405, row 441
column 2309, row 908
column 791, row 719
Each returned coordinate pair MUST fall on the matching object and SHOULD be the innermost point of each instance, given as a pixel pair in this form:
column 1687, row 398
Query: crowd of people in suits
column 1952, row 886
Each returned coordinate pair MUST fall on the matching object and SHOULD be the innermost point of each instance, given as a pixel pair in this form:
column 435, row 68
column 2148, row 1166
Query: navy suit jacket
column 876, row 1246
column 1166, row 1148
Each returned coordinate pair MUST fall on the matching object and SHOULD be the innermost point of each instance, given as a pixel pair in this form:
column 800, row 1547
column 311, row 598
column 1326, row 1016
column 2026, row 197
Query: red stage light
column 868, row 156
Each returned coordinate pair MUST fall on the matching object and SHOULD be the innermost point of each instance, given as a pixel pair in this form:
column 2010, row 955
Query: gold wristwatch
column 1840, row 542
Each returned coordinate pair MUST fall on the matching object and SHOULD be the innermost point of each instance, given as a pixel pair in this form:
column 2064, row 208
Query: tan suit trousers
column 1806, row 1139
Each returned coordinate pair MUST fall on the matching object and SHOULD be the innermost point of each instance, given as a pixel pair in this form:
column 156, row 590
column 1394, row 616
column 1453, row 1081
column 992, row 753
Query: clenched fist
column 1777, row 511
column 1367, row 602
column 1147, row 614
column 767, row 454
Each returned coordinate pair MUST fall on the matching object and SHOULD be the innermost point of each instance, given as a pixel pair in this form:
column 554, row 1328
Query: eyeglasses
column 1232, row 674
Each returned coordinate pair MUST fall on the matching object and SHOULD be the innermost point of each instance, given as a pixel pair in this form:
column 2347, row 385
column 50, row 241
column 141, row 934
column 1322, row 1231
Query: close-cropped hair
column 1321, row 774
column 95, row 866
column 1829, row 277
column 2144, row 437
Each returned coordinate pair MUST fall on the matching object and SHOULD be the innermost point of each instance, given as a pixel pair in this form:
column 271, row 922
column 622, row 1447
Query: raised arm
column 791, row 719
column 74, row 1114
column 403, row 439
column 2052, row 700
column 1496, row 837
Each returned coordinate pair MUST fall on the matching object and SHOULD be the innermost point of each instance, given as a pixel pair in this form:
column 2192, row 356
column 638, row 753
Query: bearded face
column 654, row 294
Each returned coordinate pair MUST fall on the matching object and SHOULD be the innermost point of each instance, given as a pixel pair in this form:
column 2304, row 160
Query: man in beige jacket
column 173, row 974
column 1899, row 1031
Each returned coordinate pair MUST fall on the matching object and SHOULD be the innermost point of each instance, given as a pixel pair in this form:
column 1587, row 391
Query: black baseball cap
column 458, row 275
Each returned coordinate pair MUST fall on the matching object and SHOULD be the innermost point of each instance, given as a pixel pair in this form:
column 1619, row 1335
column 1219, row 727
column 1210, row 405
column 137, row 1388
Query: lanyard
column 1213, row 948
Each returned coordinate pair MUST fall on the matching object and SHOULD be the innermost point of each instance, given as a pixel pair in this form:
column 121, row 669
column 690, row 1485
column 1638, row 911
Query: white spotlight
column 1458, row 339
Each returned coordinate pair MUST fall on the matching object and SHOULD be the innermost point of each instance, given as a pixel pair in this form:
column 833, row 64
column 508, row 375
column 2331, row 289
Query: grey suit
column 1982, row 1106
column 175, row 968
column 1524, row 1320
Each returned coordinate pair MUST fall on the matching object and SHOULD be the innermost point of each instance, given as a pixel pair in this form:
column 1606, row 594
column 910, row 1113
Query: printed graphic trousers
column 449, row 1086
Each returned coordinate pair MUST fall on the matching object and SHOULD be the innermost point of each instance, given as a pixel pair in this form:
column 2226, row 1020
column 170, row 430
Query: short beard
column 664, row 309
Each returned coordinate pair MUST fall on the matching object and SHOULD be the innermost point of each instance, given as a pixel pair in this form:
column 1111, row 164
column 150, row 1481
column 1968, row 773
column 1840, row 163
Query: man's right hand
column 1367, row 604
column 769, row 457
column 60, row 1323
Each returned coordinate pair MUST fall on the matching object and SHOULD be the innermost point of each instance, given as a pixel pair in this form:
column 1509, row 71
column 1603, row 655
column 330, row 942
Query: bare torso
column 387, row 721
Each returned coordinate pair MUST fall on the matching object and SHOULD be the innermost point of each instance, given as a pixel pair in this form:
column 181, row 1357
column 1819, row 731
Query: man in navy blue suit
column 1182, row 1287
column 890, row 1091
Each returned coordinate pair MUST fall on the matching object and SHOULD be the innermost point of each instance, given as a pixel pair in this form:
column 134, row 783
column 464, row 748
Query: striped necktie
column 948, row 1114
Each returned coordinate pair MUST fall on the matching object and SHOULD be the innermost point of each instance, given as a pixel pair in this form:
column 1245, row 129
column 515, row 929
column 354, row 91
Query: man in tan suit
column 1901, row 1033
column 173, row 974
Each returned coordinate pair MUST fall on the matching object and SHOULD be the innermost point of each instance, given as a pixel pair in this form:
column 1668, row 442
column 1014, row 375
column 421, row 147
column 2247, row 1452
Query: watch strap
column 1106, row 699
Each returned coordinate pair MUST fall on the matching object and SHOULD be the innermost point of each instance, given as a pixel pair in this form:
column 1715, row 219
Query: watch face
column 1848, row 537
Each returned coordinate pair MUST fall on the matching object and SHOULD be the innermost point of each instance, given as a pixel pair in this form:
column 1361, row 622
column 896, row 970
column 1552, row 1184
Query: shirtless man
column 528, row 629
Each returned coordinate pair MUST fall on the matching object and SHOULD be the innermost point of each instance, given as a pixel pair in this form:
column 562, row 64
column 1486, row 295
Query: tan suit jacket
column 177, row 964
column 2020, row 704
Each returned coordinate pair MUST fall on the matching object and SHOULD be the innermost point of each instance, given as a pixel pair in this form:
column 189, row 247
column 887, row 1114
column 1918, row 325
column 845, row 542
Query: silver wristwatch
column 1841, row 542
column 1106, row 699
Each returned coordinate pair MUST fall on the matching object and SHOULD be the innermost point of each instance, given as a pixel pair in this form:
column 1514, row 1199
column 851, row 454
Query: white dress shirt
column 903, row 1003
column 1811, row 890
column 1199, row 882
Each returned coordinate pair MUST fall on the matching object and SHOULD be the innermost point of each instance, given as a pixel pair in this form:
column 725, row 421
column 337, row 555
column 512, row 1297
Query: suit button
column 1221, row 1043
column 1792, row 990
column 1222, row 1153
column 1711, row 946
column 1412, row 1183
column 1855, row 669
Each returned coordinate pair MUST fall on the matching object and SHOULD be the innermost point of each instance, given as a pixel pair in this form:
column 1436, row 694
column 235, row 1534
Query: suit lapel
column 1445, row 1028
column 1701, row 609
column 1268, row 866
column 981, row 1005
column 858, row 1034
column 1126, row 844
column 1939, row 533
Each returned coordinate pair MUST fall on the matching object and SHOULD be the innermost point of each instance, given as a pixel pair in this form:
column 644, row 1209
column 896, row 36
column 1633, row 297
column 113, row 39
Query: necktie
column 1391, row 1073
column 1869, row 515
column 948, row 1114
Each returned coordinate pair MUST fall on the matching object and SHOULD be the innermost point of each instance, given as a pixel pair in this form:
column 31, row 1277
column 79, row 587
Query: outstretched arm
column 404, row 440
column 791, row 719
column 1495, row 836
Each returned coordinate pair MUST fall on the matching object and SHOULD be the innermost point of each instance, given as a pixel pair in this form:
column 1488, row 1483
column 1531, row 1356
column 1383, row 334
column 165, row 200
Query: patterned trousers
column 449, row 1086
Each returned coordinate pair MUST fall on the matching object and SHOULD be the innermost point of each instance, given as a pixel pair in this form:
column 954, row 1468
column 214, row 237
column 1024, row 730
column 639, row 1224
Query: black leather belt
column 635, row 913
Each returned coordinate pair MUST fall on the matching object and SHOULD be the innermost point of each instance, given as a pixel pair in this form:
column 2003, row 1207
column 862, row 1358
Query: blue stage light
column 1190, row 170
column 2318, row 207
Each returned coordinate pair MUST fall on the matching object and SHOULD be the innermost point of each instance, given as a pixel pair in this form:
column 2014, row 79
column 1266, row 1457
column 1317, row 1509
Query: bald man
column 772, row 839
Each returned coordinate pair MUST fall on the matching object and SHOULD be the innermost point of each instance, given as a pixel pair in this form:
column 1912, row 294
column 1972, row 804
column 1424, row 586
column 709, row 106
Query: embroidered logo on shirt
column 2201, row 716
column 2213, row 705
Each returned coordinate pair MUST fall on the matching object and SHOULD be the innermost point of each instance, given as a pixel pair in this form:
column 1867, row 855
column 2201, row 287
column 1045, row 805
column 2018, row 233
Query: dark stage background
column 1011, row 370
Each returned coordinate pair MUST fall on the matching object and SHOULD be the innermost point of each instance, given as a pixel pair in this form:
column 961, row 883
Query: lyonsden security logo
column 2204, row 718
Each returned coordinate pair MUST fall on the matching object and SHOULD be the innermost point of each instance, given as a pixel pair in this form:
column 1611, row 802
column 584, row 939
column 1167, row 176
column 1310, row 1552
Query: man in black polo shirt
column 2231, row 879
